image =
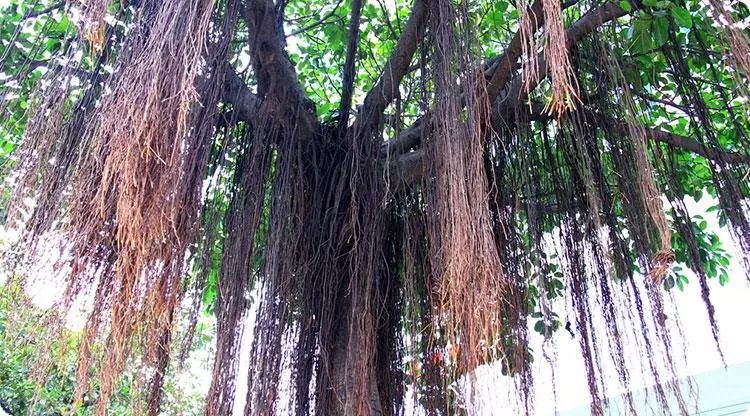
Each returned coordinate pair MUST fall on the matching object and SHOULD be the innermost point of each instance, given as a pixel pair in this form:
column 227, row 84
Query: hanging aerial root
column 43, row 129
column 54, row 136
column 93, row 27
column 651, row 198
column 564, row 83
column 472, row 285
column 529, row 53
column 734, row 35
column 584, row 163
column 138, row 193
column 661, row 263
column 649, row 194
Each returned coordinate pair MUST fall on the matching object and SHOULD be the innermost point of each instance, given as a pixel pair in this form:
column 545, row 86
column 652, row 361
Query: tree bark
column 342, row 379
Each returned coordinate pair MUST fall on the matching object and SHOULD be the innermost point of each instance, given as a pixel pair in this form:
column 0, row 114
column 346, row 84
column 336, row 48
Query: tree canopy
column 404, row 187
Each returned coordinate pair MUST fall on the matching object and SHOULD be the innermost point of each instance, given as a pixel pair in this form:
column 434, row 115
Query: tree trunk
column 342, row 380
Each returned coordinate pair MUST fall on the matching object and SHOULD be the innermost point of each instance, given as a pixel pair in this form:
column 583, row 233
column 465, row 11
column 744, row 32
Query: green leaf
column 625, row 5
column 661, row 30
column 539, row 327
column 663, row 4
column 682, row 17
column 723, row 278
column 669, row 283
column 641, row 39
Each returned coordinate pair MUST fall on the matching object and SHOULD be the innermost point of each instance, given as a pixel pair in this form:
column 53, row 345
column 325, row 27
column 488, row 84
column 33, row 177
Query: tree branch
column 318, row 22
column 406, row 169
column 505, row 107
column 508, row 61
column 498, row 71
column 245, row 103
column 30, row 14
column 499, row 74
column 350, row 65
column 274, row 71
column 671, row 139
column 408, row 139
column 501, row 68
column 410, row 167
column 383, row 93
column 685, row 143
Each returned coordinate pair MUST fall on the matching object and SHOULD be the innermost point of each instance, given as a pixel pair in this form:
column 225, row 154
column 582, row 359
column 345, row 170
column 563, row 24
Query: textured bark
column 341, row 379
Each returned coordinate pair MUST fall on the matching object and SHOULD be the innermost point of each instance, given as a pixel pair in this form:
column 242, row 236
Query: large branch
column 505, row 107
column 386, row 89
column 409, row 167
column 245, row 103
column 278, row 83
column 673, row 140
column 498, row 72
column 350, row 64
column 686, row 143
column 500, row 76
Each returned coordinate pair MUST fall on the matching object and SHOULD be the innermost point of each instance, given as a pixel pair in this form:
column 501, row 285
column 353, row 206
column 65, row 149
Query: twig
column 33, row 14
column 318, row 22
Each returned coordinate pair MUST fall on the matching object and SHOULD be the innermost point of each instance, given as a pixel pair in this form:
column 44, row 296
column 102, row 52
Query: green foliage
column 21, row 339
column 28, row 49
column 714, row 259
column 24, row 344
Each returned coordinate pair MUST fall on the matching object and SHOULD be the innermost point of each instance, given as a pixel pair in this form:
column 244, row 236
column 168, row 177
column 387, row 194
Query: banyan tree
column 406, row 187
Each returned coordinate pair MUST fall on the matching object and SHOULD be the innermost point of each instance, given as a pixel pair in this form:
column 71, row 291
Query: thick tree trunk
column 342, row 378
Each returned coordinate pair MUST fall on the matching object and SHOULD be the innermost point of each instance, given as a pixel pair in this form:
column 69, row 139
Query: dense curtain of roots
column 136, row 187
column 472, row 284
column 735, row 37
column 564, row 83
column 364, row 286
column 93, row 13
column 527, row 25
